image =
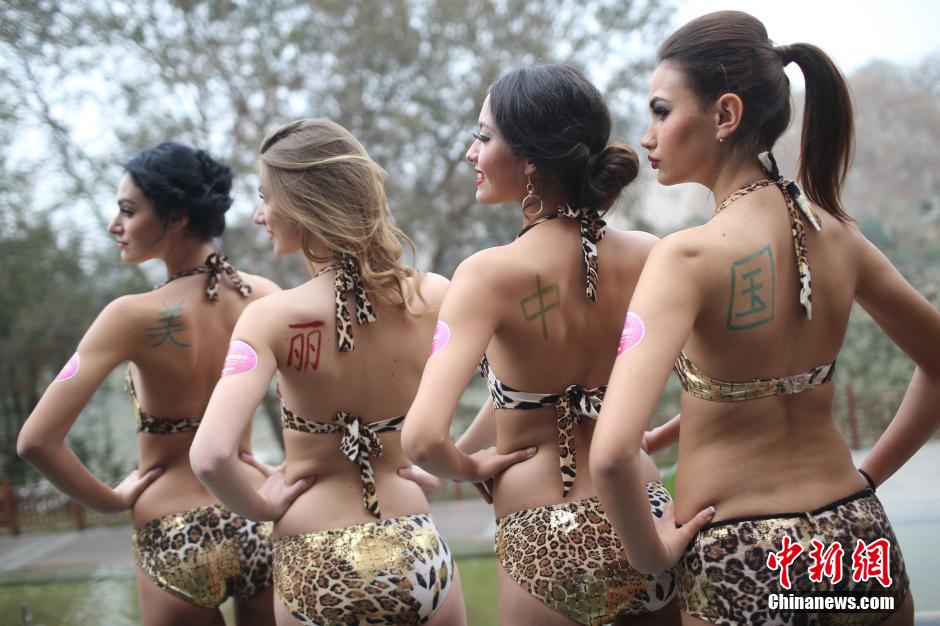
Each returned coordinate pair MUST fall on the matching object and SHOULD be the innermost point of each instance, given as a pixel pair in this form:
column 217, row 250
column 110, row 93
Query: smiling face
column 681, row 137
column 500, row 173
column 282, row 232
column 136, row 226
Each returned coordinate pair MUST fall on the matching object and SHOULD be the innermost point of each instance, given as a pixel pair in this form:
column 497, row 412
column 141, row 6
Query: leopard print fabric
column 360, row 442
column 347, row 279
column 147, row 423
column 592, row 231
column 215, row 265
column 571, row 407
column 206, row 555
column 568, row 556
column 395, row 571
column 724, row 579
column 794, row 199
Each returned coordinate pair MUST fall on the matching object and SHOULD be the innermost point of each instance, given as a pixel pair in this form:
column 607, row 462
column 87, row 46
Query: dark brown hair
column 555, row 117
column 729, row 52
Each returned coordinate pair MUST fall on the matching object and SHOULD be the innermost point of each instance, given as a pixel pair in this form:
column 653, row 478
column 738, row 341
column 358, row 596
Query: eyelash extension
column 660, row 113
column 481, row 137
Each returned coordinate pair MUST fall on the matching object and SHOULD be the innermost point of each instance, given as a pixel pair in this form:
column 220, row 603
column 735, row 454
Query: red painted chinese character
column 304, row 348
column 872, row 561
column 782, row 560
column 826, row 562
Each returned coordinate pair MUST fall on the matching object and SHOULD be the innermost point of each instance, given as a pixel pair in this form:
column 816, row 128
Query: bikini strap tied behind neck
column 592, row 231
column 215, row 265
column 348, row 279
column 794, row 198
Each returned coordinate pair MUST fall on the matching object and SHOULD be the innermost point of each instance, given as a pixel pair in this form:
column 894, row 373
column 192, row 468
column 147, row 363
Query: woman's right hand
column 488, row 463
column 129, row 489
column 280, row 495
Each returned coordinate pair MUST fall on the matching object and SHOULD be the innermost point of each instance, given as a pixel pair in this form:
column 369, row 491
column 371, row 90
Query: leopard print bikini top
column 360, row 443
column 346, row 279
column 699, row 384
column 576, row 403
column 215, row 265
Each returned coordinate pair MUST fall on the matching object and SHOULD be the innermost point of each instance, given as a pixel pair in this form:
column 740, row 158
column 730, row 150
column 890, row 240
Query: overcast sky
column 851, row 32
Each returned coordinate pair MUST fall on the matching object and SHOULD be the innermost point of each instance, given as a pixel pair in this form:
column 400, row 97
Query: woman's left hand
column 423, row 479
column 673, row 540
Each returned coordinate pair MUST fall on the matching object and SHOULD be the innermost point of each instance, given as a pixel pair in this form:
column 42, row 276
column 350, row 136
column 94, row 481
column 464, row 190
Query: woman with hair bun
column 750, row 310
column 191, row 552
column 354, row 542
column 542, row 316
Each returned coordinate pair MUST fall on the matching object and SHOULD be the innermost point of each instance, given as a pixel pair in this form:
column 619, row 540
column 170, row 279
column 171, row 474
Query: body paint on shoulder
column 547, row 298
column 441, row 337
column 170, row 323
column 633, row 332
column 241, row 359
column 753, row 288
column 304, row 349
column 70, row 370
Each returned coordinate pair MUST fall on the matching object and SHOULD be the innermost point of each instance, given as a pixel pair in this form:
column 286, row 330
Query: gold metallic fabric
column 568, row 556
column 206, row 554
column 395, row 571
column 699, row 384
column 723, row 577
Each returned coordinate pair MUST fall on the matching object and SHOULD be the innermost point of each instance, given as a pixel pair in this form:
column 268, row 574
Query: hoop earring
column 530, row 199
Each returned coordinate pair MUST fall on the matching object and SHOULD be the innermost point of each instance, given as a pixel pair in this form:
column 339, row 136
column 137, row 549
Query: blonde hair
column 323, row 180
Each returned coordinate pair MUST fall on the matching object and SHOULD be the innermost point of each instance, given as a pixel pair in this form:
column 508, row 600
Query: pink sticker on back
column 633, row 331
column 241, row 358
column 70, row 369
column 441, row 337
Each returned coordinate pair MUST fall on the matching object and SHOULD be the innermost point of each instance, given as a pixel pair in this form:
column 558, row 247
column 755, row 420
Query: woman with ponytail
column 750, row 310
column 543, row 314
column 353, row 540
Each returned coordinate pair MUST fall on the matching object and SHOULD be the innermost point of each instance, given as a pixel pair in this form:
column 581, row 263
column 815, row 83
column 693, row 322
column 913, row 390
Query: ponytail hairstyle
column 553, row 116
column 730, row 52
column 323, row 180
column 180, row 181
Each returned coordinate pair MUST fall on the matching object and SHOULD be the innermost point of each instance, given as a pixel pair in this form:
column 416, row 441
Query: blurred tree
column 407, row 77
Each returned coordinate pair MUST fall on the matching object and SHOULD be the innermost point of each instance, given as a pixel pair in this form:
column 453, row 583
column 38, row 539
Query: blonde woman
column 348, row 347
column 191, row 552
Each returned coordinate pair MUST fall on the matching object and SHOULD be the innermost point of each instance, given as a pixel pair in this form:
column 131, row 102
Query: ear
column 729, row 110
column 529, row 168
column 177, row 223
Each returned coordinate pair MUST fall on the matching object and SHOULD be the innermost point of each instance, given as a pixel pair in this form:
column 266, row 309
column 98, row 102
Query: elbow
column 207, row 464
column 421, row 446
column 29, row 447
column 609, row 465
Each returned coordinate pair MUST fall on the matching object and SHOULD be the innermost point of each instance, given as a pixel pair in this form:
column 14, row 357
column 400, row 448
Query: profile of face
column 501, row 174
column 136, row 227
column 681, row 137
column 282, row 232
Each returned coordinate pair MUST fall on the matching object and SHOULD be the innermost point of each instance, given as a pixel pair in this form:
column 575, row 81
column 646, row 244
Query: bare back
column 374, row 381
column 551, row 335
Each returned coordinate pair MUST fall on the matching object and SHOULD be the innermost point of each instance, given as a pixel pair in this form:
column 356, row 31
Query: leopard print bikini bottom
column 393, row 571
column 568, row 556
column 206, row 554
column 729, row 572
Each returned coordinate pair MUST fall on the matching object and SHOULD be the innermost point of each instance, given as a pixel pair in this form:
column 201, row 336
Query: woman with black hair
column 750, row 311
column 543, row 313
column 191, row 552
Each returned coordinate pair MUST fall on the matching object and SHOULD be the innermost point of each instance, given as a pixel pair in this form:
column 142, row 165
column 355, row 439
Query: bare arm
column 41, row 442
column 470, row 311
column 216, row 453
column 914, row 325
column 662, row 436
column 637, row 380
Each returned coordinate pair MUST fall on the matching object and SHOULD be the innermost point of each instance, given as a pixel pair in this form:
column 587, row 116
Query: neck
column 732, row 177
column 186, row 254
column 551, row 200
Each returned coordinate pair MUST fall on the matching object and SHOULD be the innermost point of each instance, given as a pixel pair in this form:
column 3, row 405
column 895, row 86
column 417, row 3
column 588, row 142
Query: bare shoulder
column 260, row 286
column 432, row 288
column 491, row 266
column 684, row 250
column 632, row 246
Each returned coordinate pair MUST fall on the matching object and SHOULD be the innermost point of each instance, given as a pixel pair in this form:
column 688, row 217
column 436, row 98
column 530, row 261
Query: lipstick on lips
column 654, row 163
column 480, row 177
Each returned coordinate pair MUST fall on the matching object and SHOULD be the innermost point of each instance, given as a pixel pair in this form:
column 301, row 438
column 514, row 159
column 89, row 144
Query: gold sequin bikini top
column 215, row 265
column 360, row 443
column 572, row 407
column 699, row 384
